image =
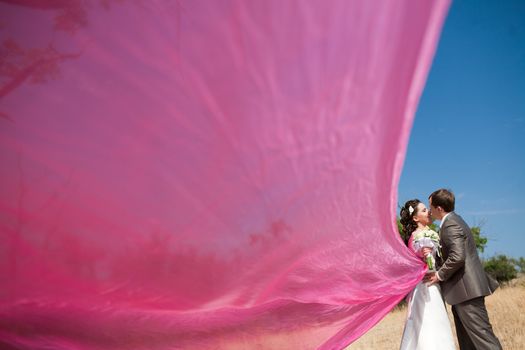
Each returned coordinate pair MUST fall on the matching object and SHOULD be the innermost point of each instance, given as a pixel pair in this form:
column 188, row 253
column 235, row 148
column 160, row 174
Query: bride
column 427, row 325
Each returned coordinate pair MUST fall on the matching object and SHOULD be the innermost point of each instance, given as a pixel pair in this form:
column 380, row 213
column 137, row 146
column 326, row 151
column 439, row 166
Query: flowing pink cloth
column 205, row 174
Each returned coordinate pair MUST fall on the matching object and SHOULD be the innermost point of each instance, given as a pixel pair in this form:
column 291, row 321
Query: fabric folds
column 205, row 174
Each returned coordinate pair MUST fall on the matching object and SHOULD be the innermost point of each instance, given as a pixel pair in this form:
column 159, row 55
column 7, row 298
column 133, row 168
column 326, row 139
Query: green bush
column 501, row 268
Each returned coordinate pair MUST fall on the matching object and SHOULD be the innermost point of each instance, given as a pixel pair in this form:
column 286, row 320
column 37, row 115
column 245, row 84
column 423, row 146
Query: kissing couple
column 455, row 275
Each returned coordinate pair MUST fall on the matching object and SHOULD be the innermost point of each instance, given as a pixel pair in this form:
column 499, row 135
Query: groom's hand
column 431, row 279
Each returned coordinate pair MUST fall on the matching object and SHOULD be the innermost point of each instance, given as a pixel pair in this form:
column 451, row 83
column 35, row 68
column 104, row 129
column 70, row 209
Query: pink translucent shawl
column 205, row 174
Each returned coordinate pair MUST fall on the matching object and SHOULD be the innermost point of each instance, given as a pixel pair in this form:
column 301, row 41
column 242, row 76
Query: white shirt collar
column 443, row 220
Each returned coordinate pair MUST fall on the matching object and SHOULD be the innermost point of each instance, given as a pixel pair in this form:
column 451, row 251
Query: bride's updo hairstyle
column 406, row 218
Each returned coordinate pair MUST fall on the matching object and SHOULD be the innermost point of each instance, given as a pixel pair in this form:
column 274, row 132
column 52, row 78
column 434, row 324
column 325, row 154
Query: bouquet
column 428, row 238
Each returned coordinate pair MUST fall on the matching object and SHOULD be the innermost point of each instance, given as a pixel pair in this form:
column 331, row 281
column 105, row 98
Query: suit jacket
column 463, row 277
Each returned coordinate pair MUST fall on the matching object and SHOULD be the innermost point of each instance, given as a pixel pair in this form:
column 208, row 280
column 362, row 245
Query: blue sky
column 469, row 130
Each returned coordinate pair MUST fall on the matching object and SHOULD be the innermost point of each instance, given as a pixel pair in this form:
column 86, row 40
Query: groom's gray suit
column 465, row 284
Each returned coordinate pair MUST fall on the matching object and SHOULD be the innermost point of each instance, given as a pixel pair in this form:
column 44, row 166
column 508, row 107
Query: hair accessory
column 410, row 209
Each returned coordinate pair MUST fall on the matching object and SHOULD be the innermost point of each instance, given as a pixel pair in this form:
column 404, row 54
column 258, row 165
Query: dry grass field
column 506, row 309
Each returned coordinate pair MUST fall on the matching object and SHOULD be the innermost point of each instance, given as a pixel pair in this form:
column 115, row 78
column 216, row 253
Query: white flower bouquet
column 428, row 238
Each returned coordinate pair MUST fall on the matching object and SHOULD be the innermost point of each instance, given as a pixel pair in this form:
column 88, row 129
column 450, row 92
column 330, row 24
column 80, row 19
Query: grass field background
column 506, row 309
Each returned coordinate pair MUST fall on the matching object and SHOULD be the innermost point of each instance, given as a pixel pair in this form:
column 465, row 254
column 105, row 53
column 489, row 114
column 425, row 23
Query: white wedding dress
column 427, row 326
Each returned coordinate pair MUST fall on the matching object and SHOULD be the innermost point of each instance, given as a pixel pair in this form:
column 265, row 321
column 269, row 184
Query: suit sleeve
column 455, row 240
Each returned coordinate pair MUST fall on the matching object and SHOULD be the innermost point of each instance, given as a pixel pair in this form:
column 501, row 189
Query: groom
column 464, row 283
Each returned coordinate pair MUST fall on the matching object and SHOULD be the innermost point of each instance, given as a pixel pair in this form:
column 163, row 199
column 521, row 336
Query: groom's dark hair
column 443, row 198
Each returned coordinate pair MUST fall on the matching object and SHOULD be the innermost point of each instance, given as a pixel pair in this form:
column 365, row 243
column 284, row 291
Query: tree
column 520, row 264
column 481, row 241
column 501, row 268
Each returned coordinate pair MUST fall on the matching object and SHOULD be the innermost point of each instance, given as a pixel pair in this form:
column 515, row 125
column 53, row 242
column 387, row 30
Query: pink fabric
column 205, row 174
